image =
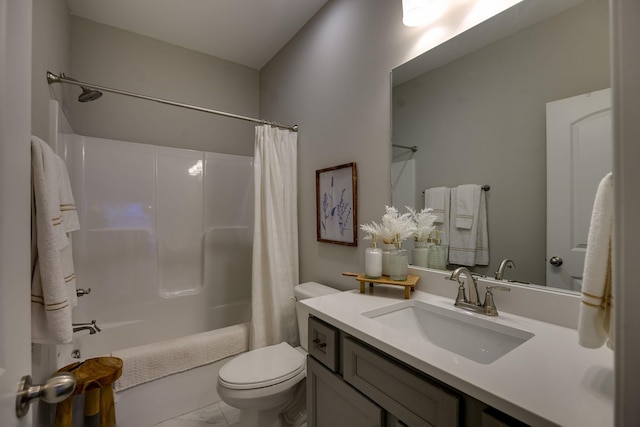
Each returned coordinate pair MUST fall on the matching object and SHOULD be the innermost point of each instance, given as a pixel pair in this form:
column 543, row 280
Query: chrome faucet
column 473, row 303
column 91, row 327
column 499, row 275
column 474, row 297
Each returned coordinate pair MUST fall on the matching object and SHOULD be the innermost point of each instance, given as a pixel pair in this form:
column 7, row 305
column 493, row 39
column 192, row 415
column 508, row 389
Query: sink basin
column 462, row 333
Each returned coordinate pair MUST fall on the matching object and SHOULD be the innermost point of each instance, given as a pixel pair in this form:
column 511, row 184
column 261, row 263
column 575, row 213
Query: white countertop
column 547, row 380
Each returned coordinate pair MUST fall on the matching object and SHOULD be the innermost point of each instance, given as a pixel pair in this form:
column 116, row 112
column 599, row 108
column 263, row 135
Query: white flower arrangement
column 372, row 230
column 394, row 227
column 423, row 221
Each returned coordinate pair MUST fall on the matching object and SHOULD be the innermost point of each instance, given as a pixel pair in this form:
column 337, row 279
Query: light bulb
column 421, row 12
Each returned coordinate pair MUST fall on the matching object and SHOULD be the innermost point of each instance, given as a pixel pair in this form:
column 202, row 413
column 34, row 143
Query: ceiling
column 247, row 32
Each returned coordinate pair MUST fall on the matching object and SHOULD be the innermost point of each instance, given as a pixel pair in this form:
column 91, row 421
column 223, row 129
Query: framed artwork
column 336, row 205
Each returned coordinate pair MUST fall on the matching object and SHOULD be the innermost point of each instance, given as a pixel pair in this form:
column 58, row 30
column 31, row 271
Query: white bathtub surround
column 275, row 239
column 153, row 361
column 54, row 216
column 165, row 247
column 165, row 232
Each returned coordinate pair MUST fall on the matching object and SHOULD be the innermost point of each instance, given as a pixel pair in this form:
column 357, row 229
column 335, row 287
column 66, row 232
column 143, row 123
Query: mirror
column 475, row 110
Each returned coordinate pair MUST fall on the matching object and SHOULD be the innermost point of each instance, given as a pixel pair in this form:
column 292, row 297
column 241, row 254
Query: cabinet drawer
column 415, row 400
column 323, row 343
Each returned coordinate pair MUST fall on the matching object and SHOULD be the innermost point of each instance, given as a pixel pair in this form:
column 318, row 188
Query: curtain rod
column 52, row 78
column 485, row 187
column 414, row 148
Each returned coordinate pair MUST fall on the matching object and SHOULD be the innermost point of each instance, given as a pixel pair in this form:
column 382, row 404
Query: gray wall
column 110, row 57
column 481, row 119
column 107, row 56
column 51, row 51
column 333, row 80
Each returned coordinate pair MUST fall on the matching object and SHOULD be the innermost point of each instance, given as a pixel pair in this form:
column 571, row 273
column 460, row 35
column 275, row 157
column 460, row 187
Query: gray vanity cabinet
column 334, row 403
column 412, row 398
column 351, row 384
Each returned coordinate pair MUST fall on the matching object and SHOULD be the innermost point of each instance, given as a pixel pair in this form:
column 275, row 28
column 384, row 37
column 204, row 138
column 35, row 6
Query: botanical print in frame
column 336, row 205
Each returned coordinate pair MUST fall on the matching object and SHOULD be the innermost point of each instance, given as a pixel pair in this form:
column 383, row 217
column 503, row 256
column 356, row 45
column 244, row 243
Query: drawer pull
column 319, row 344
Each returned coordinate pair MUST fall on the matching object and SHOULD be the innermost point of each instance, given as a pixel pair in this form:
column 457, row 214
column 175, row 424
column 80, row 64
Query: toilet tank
column 304, row 291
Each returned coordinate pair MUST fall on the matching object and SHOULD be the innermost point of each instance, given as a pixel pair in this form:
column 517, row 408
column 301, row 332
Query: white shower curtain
column 275, row 238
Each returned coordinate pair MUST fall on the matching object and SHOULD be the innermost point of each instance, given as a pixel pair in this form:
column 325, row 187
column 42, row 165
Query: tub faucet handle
column 83, row 292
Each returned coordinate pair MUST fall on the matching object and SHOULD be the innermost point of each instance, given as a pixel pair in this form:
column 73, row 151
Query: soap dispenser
column 398, row 263
column 420, row 253
column 437, row 255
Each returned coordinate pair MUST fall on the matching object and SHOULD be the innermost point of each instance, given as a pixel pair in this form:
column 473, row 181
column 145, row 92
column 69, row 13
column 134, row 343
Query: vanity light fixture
column 421, row 12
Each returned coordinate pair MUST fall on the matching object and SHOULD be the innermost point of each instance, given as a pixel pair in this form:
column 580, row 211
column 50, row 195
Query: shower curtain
column 275, row 238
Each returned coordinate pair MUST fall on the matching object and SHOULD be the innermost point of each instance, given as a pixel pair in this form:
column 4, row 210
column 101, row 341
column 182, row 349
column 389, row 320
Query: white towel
column 67, row 202
column 53, row 280
column 595, row 323
column 467, row 205
column 71, row 224
column 152, row 361
column 470, row 246
column 439, row 199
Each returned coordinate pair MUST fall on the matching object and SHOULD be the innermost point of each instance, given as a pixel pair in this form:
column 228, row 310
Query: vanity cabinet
column 335, row 403
column 350, row 383
column 415, row 400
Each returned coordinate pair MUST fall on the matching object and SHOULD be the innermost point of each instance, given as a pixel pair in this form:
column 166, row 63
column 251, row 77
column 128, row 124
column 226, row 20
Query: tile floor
column 219, row 414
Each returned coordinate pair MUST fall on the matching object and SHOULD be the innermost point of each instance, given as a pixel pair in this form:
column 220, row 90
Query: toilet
column 269, row 381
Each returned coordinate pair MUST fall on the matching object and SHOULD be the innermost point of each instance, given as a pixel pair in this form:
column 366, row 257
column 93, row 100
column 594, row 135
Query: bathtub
column 168, row 397
column 174, row 394
column 160, row 399
column 165, row 247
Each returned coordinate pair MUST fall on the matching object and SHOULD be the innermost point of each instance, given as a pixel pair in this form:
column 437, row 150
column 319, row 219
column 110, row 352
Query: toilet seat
column 262, row 367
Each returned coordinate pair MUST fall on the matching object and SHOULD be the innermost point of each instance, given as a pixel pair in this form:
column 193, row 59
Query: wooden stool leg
column 92, row 407
column 107, row 407
column 64, row 413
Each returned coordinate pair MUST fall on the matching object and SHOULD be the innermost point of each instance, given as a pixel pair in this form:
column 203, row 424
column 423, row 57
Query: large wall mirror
column 481, row 109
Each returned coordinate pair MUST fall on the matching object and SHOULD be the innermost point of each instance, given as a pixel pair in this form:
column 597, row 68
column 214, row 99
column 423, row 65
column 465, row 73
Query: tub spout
column 91, row 327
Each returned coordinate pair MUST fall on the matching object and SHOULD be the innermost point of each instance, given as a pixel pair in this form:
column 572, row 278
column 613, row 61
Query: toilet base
column 268, row 418
column 290, row 412
column 272, row 418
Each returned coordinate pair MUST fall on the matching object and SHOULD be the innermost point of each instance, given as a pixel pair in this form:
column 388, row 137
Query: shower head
column 87, row 94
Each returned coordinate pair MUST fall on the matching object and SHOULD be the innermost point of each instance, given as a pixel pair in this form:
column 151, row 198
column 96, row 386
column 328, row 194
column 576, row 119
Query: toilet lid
column 262, row 367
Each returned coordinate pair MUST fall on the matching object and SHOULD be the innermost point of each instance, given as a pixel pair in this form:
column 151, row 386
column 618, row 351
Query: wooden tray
column 409, row 284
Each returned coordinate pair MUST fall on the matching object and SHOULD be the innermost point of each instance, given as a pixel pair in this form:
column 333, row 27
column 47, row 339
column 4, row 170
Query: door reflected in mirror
column 476, row 109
